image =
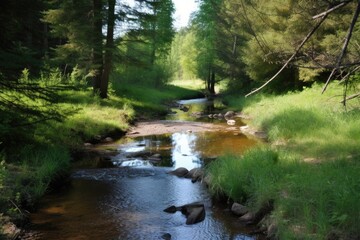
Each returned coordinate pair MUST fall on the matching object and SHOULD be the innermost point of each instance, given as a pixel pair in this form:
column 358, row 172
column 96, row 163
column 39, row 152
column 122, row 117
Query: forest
column 81, row 71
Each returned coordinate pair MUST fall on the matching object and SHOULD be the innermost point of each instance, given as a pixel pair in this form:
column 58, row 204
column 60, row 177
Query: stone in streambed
column 172, row 209
column 166, row 236
column 239, row 209
column 179, row 172
column 195, row 174
column 194, row 212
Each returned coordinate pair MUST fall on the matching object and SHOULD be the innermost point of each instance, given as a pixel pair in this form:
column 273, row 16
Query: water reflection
column 127, row 202
column 198, row 109
column 183, row 151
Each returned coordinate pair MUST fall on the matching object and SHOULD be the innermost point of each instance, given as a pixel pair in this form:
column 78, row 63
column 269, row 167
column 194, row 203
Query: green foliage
column 311, row 201
column 312, row 124
column 184, row 53
column 156, row 75
column 310, row 170
column 23, row 185
column 249, row 179
column 91, row 117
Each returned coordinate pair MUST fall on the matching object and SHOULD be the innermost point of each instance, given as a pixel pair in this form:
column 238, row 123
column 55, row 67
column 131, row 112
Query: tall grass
column 311, row 201
column 310, row 168
column 310, row 123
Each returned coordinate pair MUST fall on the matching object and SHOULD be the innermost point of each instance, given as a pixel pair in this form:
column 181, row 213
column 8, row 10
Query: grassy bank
column 148, row 101
column 310, row 168
column 40, row 159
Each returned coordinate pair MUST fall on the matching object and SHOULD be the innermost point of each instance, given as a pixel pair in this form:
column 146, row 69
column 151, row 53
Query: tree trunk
column 97, row 56
column 108, row 50
column 212, row 83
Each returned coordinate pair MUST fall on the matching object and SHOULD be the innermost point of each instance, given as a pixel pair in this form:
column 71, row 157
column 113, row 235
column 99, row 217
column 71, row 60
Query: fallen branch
column 348, row 74
column 330, row 10
column 350, row 97
column 343, row 50
column 292, row 56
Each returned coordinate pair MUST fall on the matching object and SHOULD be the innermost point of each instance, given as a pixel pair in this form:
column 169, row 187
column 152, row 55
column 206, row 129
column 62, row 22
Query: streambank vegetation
column 310, row 169
column 65, row 81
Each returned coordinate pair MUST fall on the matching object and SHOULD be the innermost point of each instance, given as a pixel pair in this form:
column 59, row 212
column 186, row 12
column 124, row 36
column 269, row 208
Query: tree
column 80, row 23
column 97, row 46
column 109, row 48
column 206, row 24
column 23, row 37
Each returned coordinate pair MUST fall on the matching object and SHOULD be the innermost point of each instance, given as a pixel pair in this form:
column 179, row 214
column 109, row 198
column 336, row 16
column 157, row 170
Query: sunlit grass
column 310, row 169
column 150, row 101
column 194, row 84
column 313, row 124
column 314, row 198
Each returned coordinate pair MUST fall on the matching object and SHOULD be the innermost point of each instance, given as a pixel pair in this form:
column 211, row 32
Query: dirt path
column 164, row 126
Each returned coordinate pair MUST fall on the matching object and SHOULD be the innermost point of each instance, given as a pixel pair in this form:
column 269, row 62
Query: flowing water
column 127, row 200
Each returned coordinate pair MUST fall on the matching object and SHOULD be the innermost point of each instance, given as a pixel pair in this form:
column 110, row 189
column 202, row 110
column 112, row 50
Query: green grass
column 39, row 157
column 310, row 168
column 23, row 184
column 311, row 201
column 194, row 84
column 149, row 101
column 89, row 117
column 310, row 123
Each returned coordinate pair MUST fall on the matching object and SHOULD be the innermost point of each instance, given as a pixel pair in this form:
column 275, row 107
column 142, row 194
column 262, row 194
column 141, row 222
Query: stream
column 126, row 200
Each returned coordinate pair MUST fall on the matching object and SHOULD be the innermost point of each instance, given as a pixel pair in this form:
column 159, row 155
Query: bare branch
column 292, row 56
column 351, row 97
column 330, row 10
column 346, row 43
column 348, row 74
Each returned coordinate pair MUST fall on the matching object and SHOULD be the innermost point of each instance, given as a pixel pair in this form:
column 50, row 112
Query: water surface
column 127, row 201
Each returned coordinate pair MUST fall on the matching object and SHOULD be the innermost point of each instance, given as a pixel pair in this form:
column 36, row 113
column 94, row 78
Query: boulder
column 180, row 172
column 239, row 209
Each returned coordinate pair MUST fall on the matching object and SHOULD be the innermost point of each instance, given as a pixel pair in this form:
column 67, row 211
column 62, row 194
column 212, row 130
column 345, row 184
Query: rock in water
column 194, row 212
column 229, row 114
column 239, row 209
column 180, row 172
column 171, row 209
column 166, row 236
column 196, row 215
